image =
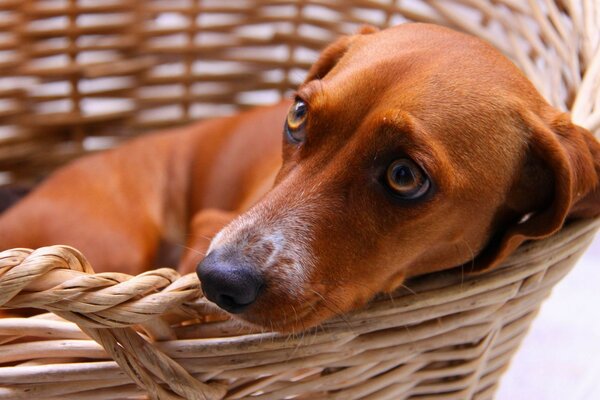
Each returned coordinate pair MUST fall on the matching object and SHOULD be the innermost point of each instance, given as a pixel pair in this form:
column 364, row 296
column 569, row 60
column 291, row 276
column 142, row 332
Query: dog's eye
column 406, row 179
column 294, row 124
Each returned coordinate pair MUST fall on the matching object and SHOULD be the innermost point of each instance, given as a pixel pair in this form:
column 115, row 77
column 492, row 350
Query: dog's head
column 406, row 151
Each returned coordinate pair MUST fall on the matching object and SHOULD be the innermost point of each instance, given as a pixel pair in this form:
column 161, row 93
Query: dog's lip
column 285, row 320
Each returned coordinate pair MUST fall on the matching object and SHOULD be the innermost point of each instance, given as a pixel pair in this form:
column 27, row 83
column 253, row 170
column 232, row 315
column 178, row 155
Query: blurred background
column 560, row 357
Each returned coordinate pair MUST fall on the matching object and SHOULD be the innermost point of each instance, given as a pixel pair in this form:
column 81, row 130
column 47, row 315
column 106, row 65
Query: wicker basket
column 77, row 76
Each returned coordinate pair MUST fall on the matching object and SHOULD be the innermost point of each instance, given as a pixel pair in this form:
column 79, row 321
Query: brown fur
column 494, row 148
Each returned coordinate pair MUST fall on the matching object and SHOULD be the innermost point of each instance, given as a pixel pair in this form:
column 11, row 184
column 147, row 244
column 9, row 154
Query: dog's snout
column 231, row 284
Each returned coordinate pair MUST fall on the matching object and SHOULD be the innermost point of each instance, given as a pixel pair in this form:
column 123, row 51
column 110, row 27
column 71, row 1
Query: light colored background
column 560, row 357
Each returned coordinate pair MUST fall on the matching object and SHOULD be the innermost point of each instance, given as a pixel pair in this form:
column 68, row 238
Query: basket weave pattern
column 77, row 76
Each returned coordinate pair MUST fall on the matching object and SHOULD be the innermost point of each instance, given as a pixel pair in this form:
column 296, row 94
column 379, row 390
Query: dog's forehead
column 443, row 78
column 421, row 65
column 430, row 43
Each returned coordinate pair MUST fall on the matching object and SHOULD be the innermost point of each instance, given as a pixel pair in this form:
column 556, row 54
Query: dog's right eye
column 295, row 122
column 406, row 179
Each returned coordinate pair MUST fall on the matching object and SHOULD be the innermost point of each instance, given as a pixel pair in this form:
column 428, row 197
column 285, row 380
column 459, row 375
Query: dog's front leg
column 203, row 227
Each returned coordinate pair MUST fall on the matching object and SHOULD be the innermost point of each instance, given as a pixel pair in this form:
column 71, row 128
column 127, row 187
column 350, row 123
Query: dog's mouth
column 275, row 309
column 286, row 317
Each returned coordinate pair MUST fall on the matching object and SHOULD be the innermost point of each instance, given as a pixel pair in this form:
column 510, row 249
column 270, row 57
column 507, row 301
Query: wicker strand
column 58, row 278
column 147, row 366
column 96, row 302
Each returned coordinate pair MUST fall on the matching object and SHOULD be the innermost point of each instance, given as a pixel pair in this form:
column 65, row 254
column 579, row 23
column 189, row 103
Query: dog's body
column 406, row 151
column 123, row 208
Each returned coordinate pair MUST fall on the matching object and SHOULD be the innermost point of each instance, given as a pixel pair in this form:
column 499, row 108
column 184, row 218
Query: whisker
column 189, row 248
column 402, row 285
column 370, row 290
column 391, row 298
column 346, row 281
column 301, row 340
column 320, row 325
column 339, row 313
column 462, row 267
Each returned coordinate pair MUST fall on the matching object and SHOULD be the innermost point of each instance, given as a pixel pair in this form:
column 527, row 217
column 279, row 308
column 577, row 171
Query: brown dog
column 406, row 151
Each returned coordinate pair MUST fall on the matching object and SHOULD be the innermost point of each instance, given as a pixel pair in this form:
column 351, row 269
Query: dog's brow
column 413, row 135
column 310, row 90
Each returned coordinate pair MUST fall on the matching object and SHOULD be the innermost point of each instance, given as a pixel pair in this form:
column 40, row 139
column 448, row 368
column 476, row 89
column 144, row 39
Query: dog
column 406, row 151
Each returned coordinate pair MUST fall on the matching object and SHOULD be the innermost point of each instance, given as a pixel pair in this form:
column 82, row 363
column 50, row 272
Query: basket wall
column 77, row 76
column 449, row 337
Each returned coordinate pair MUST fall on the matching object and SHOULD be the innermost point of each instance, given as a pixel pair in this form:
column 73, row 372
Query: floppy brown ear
column 559, row 180
column 333, row 53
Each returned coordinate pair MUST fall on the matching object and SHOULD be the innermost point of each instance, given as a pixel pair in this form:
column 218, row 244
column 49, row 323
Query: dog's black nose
column 231, row 284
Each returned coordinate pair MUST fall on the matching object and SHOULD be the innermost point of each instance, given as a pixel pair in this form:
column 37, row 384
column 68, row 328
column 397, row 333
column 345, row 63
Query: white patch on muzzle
column 289, row 234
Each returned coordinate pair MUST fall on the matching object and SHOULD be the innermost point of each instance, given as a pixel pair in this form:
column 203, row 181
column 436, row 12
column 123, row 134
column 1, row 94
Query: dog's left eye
column 295, row 122
column 406, row 179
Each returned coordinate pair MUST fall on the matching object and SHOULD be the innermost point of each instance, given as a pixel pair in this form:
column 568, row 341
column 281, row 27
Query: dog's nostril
column 225, row 299
column 232, row 285
column 232, row 304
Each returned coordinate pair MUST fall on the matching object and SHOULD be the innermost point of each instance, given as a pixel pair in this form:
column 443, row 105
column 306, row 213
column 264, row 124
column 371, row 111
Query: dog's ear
column 333, row 53
column 559, row 179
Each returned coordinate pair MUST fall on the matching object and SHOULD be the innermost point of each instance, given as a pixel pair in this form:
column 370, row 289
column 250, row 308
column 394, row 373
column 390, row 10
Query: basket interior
column 80, row 75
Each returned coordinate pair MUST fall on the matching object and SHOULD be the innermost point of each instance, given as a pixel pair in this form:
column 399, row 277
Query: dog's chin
column 294, row 319
column 289, row 325
column 284, row 320
column 281, row 311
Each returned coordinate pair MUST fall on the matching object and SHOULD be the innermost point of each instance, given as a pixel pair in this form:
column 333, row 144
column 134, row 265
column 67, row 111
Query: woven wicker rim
column 445, row 296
